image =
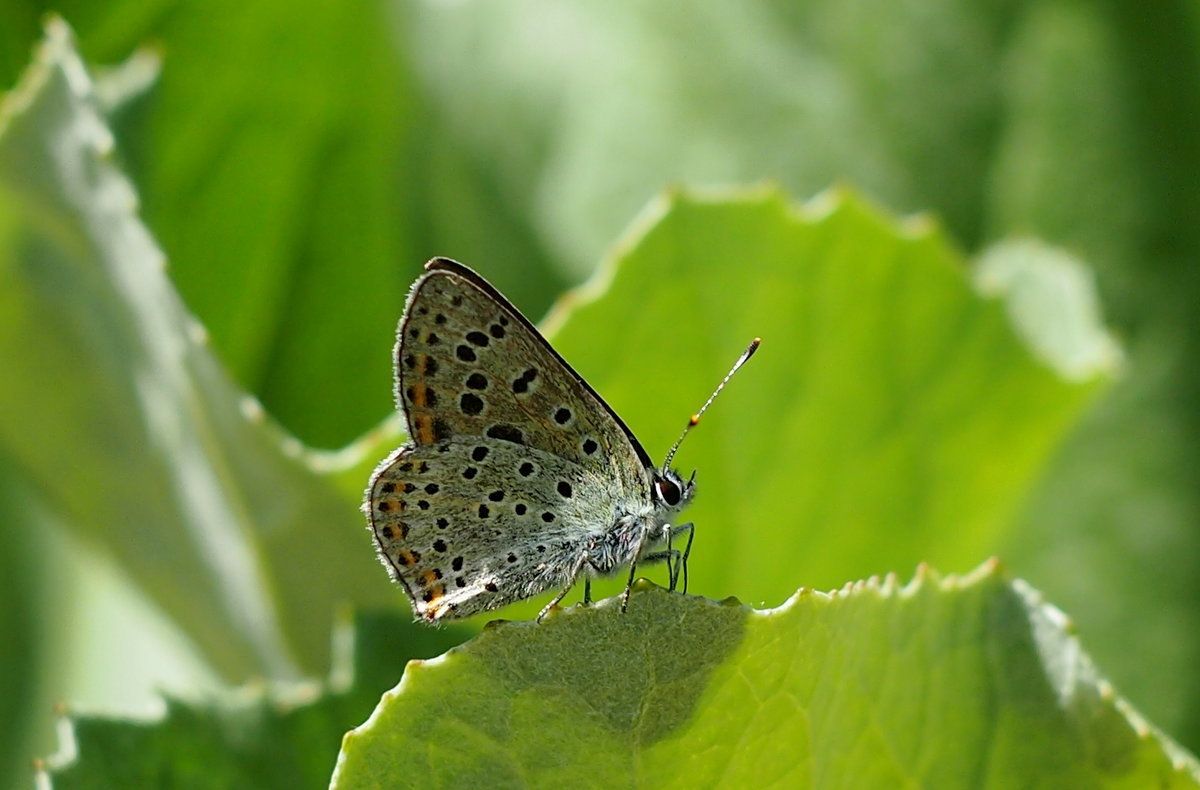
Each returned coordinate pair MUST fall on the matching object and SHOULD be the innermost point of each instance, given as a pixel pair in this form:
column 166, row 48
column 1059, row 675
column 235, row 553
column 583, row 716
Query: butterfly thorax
column 636, row 531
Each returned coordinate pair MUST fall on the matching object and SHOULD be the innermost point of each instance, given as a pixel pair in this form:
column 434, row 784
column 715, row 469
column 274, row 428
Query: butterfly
column 517, row 477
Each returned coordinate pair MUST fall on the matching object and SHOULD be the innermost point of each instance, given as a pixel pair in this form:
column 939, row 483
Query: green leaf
column 28, row 657
column 126, row 425
column 956, row 682
column 255, row 737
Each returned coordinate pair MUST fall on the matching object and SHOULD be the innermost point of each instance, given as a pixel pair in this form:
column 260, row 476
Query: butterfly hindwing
column 483, row 523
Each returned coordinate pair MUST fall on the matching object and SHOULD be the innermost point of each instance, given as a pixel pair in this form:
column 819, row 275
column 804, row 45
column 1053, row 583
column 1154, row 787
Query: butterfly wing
column 515, row 463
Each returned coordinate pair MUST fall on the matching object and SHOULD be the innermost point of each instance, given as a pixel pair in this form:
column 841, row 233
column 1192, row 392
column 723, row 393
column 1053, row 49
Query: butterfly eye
column 667, row 491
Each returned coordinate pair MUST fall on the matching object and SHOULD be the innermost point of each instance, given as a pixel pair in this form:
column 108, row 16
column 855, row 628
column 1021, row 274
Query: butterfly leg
column 676, row 559
column 672, row 559
column 587, row 590
column 687, row 550
column 574, row 576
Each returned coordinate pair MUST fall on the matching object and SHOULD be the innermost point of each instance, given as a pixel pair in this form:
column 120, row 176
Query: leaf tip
column 1052, row 303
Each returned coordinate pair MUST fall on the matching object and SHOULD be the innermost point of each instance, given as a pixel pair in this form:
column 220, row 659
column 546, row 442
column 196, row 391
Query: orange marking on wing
column 431, row 610
column 419, row 394
column 424, row 425
column 407, row 558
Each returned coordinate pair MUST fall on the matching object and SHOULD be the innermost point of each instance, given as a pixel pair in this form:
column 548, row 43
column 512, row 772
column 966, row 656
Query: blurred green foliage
column 297, row 163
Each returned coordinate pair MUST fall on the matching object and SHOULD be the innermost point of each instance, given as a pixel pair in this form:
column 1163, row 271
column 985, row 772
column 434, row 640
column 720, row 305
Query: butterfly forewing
column 486, row 505
column 468, row 363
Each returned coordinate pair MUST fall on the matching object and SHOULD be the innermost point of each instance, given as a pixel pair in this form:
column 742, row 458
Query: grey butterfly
column 518, row 477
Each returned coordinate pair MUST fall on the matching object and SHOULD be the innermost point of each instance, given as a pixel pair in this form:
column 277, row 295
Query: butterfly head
column 670, row 491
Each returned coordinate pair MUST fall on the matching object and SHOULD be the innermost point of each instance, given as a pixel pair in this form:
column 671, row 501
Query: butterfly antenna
column 749, row 352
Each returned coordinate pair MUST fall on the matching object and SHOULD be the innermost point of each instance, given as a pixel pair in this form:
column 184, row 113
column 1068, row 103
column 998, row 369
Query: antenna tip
column 749, row 352
column 695, row 419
